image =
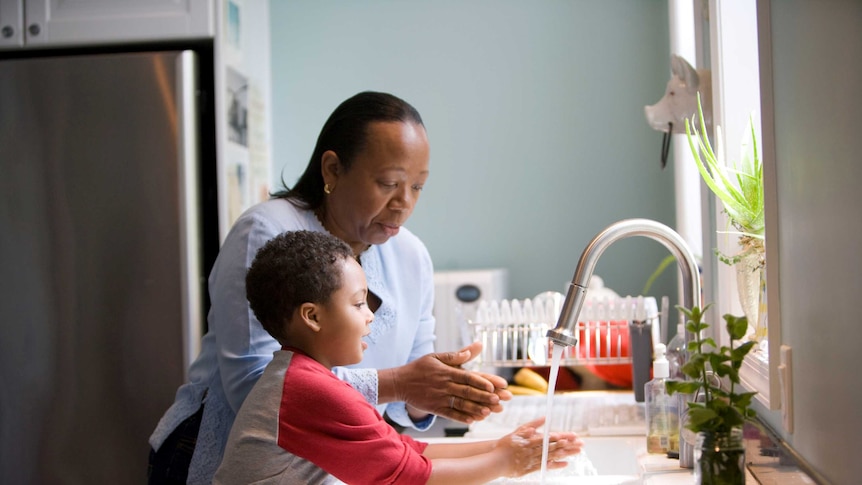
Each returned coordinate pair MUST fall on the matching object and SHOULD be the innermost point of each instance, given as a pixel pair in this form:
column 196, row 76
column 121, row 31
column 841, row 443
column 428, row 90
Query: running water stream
column 552, row 384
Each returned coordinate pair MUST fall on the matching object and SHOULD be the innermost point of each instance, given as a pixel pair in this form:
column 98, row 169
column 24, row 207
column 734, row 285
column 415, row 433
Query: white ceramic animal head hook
column 680, row 97
column 679, row 102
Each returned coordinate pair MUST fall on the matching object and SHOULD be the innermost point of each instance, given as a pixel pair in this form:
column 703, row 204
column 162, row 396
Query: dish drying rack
column 513, row 332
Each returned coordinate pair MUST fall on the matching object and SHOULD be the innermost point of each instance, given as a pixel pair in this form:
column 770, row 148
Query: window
column 738, row 76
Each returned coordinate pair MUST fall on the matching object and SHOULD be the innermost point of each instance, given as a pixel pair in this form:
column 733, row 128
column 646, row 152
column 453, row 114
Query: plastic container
column 676, row 354
column 662, row 416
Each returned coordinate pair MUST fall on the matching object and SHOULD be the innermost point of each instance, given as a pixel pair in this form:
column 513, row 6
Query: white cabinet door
column 11, row 23
column 81, row 22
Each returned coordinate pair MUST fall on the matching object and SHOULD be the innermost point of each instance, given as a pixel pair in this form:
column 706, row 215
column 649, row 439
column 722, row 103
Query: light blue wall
column 534, row 111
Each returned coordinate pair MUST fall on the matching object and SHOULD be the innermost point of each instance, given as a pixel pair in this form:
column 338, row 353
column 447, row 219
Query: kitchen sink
column 610, row 423
column 533, row 479
column 605, row 460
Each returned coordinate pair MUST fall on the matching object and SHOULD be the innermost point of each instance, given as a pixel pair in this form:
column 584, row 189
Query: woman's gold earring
column 327, row 189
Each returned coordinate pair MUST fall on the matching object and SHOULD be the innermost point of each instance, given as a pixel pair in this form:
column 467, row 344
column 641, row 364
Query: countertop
column 604, row 420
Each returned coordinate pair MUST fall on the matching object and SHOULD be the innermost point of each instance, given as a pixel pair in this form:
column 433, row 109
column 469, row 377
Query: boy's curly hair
column 293, row 268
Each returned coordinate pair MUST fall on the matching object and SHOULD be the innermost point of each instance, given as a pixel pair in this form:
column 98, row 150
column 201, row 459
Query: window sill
column 754, row 376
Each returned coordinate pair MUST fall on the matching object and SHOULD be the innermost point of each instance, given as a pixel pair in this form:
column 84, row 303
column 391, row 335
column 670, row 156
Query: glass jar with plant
column 715, row 411
column 739, row 187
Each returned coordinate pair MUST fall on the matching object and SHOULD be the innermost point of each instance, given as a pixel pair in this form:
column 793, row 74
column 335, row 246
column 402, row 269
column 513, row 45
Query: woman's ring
column 452, row 402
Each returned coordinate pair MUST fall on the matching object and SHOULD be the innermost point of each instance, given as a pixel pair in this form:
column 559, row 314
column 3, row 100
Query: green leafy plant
column 721, row 410
column 739, row 186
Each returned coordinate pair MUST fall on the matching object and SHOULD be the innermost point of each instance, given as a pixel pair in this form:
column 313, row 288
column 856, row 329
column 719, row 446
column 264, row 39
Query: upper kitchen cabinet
column 56, row 23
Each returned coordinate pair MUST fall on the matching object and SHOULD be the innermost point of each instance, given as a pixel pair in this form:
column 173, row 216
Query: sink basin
column 590, row 480
column 614, row 455
column 605, row 460
column 610, row 423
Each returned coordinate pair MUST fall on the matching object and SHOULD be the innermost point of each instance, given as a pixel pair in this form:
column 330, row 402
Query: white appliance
column 457, row 297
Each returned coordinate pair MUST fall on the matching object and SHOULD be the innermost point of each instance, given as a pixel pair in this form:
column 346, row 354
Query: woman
column 363, row 180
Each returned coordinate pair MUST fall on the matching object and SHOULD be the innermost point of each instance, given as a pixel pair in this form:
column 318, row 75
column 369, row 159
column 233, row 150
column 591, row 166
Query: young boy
column 301, row 424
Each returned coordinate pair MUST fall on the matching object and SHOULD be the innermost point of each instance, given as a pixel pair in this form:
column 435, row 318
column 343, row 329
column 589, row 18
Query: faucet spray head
column 565, row 333
column 561, row 337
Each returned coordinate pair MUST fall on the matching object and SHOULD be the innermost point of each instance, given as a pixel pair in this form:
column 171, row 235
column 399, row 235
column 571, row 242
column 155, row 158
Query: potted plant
column 716, row 412
column 739, row 187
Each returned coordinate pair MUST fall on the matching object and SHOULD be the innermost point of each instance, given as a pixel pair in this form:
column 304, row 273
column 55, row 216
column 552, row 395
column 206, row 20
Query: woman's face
column 344, row 320
column 369, row 202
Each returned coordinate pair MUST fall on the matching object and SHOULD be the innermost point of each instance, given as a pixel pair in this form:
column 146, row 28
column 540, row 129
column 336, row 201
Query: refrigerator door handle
column 190, row 218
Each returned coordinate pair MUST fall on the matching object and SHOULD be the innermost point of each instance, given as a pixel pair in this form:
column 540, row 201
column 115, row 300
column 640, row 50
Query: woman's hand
column 523, row 449
column 436, row 384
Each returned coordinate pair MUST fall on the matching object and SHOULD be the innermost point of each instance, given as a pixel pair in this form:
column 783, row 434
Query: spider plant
column 739, row 186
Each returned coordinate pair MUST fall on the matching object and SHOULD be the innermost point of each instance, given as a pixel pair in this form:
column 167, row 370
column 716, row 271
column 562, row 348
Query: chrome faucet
column 565, row 333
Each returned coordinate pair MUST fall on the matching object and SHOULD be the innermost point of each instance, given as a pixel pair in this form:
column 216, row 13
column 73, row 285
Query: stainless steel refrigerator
column 107, row 231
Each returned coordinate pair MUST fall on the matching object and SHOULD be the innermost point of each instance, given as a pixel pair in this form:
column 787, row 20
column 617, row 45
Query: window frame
column 742, row 83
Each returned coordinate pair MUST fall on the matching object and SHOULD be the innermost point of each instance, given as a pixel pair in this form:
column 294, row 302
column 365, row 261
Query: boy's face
column 345, row 320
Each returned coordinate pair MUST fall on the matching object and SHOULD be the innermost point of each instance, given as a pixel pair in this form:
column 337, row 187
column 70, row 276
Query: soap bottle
column 661, row 408
column 676, row 354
